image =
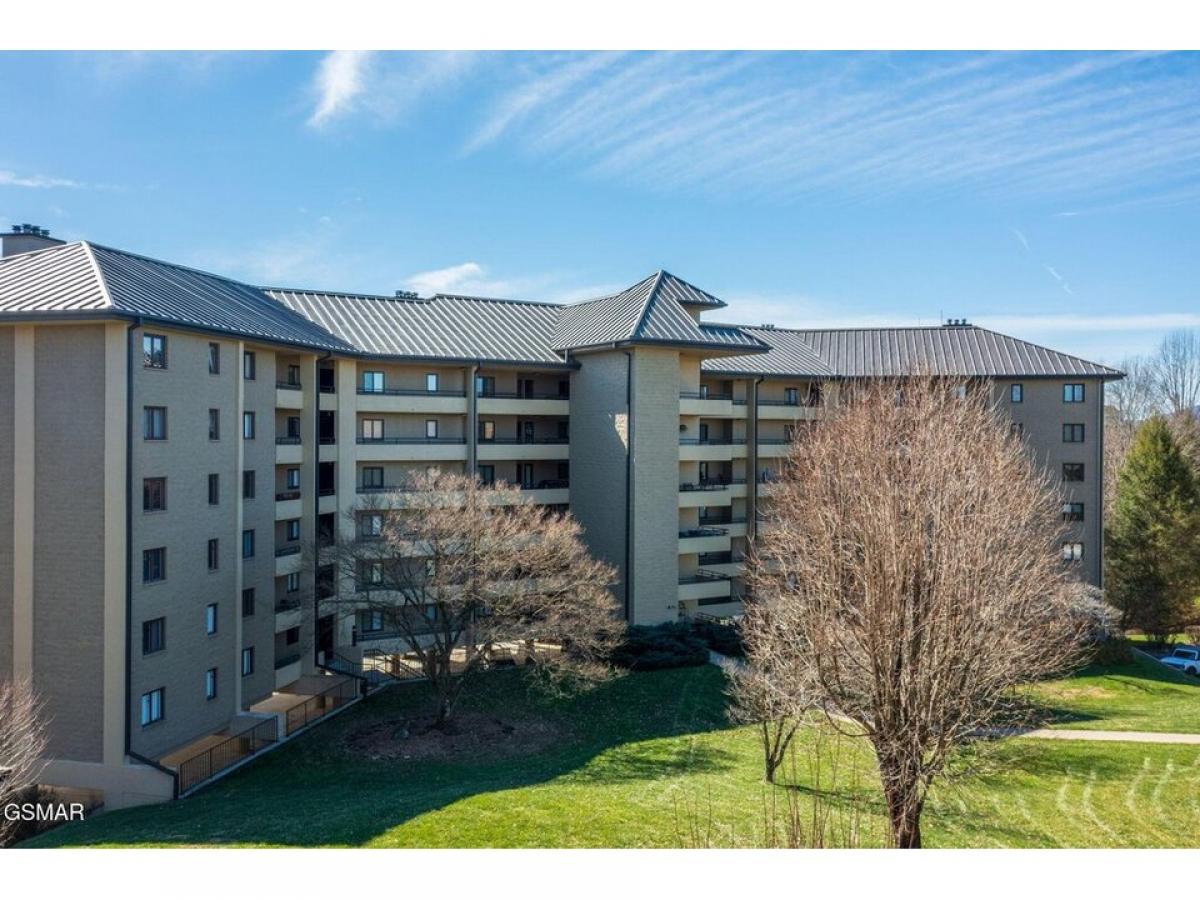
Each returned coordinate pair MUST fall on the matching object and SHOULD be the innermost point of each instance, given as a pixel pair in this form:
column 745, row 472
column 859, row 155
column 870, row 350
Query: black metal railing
column 219, row 757
column 287, row 495
column 702, row 395
column 328, row 389
column 319, row 705
column 703, row 575
column 326, row 492
column 702, row 532
column 721, row 558
column 712, row 442
column 326, row 440
column 774, row 441
column 287, row 604
column 518, row 395
column 546, row 484
column 410, row 440
column 287, row 661
column 703, row 486
column 410, row 392
column 290, row 550
column 540, row 440
column 287, row 439
column 288, row 385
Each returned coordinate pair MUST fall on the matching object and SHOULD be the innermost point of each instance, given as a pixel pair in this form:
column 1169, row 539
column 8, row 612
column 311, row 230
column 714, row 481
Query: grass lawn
column 649, row 760
column 1139, row 696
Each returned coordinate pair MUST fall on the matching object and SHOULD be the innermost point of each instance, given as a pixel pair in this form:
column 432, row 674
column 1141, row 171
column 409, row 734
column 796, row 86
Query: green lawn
column 648, row 760
column 1139, row 696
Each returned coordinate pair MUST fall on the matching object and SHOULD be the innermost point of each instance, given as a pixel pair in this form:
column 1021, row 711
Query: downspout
column 129, row 346
column 628, row 480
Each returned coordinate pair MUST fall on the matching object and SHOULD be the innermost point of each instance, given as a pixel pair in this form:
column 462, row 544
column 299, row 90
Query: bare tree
column 1177, row 370
column 1135, row 397
column 911, row 560
column 459, row 571
column 22, row 742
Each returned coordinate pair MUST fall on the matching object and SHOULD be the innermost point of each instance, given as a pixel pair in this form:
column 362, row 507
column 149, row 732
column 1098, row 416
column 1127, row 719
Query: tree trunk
column 904, row 815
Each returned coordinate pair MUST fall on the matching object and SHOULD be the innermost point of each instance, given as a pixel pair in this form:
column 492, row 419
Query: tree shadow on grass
column 313, row 792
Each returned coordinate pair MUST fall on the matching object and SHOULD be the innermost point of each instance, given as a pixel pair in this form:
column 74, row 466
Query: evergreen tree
column 1152, row 566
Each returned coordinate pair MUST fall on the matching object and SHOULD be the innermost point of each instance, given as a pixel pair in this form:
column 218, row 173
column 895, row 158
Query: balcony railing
column 287, row 495
column 288, row 385
column 703, row 395
column 547, row 484
column 232, row 750
column 326, row 492
column 702, row 532
column 722, row 558
column 287, row 661
column 289, row 550
column 703, row 575
column 711, row 442
column 287, row 604
column 707, row 521
column 287, row 439
column 409, row 440
column 538, row 440
column 410, row 392
column 320, row 705
column 517, row 395
column 808, row 402
column 544, row 484
column 703, row 486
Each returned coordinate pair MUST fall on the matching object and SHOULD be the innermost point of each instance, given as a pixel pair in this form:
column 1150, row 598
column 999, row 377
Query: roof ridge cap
column 637, row 326
column 98, row 272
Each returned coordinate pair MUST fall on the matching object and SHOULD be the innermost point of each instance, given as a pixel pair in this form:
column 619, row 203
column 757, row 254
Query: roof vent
column 956, row 323
column 766, row 326
column 407, row 295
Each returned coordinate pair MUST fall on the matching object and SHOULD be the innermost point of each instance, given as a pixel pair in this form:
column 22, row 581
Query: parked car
column 1185, row 659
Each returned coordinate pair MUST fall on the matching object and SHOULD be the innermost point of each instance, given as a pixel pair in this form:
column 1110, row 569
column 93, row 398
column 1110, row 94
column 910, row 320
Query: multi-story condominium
column 175, row 438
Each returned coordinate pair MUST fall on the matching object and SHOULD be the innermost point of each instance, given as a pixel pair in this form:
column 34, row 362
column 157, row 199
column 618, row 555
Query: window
column 1072, row 512
column 214, row 557
column 1016, row 393
column 293, row 426
column 154, row 494
column 1073, row 434
column 154, row 565
column 372, row 382
column 1072, row 471
column 1072, row 393
column 154, row 635
column 374, row 573
column 1016, row 429
column 154, row 351
column 372, row 429
column 292, row 636
column 431, row 382
column 292, row 584
column 791, row 396
column 292, row 529
column 293, row 375
column 247, row 661
column 152, row 707
column 210, row 619
column 1072, row 551
column 248, row 543
column 372, row 525
column 154, row 423
column 487, row 430
column 248, row 602
column 487, row 474
column 431, row 428
column 293, row 479
column 248, row 365
column 372, row 620
column 214, row 424
column 214, row 359
column 485, row 385
column 210, row 684
column 372, row 476
column 248, row 425
column 248, row 486
column 960, row 392
column 214, row 490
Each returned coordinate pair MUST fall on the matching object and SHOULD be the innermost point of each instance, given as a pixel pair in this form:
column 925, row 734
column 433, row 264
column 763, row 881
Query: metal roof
column 82, row 277
column 964, row 350
column 651, row 311
column 443, row 327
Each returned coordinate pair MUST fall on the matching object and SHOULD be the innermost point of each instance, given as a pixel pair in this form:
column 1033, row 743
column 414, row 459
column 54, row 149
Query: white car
column 1185, row 659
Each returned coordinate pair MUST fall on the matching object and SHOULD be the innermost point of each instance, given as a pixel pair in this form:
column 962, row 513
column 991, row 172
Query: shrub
column 1115, row 651
column 723, row 638
column 668, row 646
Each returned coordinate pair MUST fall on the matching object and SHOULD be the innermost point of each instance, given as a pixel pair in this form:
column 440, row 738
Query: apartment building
column 176, row 439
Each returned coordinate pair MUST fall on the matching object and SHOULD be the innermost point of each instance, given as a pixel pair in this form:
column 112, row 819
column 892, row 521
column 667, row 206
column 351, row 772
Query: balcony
column 288, row 395
column 705, row 493
column 288, row 614
column 787, row 409
column 400, row 400
column 288, row 450
column 287, row 670
column 288, row 505
column 500, row 403
column 703, row 540
column 774, row 446
column 705, row 403
column 704, row 584
column 516, row 448
column 421, row 448
column 710, row 449
column 288, row 560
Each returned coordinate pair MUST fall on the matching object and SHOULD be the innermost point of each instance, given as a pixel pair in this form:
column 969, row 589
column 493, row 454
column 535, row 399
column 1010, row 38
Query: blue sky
column 1051, row 196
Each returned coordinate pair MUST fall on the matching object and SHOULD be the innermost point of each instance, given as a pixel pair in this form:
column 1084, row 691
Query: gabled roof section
column 959, row 350
column 448, row 327
column 650, row 312
column 83, row 278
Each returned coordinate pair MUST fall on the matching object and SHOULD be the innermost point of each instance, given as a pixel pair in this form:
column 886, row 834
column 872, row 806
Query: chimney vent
column 25, row 238
column 407, row 295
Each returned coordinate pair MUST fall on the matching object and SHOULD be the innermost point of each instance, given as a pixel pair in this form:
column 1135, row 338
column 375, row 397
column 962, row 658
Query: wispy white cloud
column 475, row 280
column 382, row 87
column 337, row 84
column 12, row 179
column 1088, row 322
